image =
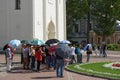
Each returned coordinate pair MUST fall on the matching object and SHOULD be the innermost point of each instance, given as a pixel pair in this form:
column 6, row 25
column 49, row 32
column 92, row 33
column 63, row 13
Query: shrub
column 113, row 47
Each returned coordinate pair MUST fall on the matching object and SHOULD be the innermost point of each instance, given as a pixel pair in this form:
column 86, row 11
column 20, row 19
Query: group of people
column 32, row 54
column 42, row 55
column 100, row 49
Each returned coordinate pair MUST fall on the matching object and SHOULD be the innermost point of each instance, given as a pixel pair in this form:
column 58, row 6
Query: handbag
column 89, row 52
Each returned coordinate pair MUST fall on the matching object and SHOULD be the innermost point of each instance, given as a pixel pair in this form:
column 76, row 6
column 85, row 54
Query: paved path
column 19, row 74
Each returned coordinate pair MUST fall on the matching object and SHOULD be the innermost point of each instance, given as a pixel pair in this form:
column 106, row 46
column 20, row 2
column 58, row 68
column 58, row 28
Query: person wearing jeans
column 32, row 57
column 59, row 67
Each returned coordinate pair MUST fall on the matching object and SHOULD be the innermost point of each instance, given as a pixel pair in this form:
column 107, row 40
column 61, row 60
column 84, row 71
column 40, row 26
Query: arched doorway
column 51, row 30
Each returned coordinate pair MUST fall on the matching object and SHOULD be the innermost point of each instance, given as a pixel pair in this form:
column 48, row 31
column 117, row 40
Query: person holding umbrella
column 62, row 53
column 14, row 44
column 38, row 54
column 88, row 49
column 32, row 51
column 8, row 52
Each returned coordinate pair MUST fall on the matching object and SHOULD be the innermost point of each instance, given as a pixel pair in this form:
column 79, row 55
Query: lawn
column 95, row 69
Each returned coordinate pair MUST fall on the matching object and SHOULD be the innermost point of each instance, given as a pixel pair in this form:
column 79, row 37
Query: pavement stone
column 19, row 74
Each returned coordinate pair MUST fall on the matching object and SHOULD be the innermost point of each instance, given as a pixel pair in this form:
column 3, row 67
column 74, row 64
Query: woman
column 38, row 53
column 8, row 52
column 32, row 51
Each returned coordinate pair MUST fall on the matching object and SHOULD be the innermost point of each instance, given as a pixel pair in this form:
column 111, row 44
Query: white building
column 30, row 19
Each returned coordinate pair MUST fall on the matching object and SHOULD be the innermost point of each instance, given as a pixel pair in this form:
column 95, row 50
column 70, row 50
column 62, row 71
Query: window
column 76, row 28
column 98, row 40
column 17, row 5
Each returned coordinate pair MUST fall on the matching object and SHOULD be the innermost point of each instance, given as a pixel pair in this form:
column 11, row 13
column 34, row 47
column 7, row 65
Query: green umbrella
column 38, row 42
column 25, row 42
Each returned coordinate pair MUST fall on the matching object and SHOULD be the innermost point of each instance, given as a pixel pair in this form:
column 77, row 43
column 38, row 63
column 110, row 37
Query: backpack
column 76, row 51
column 89, row 48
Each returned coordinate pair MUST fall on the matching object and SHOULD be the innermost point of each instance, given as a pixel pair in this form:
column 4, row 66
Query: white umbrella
column 65, row 42
column 15, row 43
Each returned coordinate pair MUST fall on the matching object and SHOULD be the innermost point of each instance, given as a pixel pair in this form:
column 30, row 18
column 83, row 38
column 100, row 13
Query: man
column 104, row 49
column 88, row 49
column 78, row 53
column 59, row 66
column 62, row 52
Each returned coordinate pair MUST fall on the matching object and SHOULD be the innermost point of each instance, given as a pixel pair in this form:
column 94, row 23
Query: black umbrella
column 63, row 50
column 51, row 41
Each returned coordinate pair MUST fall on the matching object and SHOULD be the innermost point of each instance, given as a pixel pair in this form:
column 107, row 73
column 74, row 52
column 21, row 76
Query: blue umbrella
column 38, row 42
column 65, row 42
column 15, row 43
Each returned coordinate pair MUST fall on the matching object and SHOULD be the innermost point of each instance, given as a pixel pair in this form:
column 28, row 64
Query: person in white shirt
column 72, row 54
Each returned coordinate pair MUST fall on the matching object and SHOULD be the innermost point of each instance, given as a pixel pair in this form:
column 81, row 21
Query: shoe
column 60, row 76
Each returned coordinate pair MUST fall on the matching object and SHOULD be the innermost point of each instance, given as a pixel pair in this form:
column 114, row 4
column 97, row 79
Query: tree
column 105, row 13
column 76, row 9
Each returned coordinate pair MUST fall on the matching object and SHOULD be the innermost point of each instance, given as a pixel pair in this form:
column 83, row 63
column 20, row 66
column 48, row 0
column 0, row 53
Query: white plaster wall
column 31, row 21
column 50, row 14
column 3, row 22
column 38, row 19
column 61, row 20
column 15, row 24
column 20, row 21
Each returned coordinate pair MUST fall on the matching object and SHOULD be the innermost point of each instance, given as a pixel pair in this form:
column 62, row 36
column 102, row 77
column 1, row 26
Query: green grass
column 95, row 69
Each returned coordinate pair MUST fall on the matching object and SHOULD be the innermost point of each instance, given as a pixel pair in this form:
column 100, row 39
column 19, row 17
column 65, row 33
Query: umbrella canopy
column 15, row 43
column 85, row 48
column 63, row 50
column 38, row 42
column 25, row 42
column 51, row 41
column 65, row 42
column 52, row 48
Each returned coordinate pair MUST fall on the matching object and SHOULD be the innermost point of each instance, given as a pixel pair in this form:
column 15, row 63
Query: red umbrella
column 52, row 48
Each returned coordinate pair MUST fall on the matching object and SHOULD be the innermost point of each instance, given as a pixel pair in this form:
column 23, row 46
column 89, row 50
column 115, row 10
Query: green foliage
column 76, row 8
column 103, row 12
column 69, row 29
column 113, row 47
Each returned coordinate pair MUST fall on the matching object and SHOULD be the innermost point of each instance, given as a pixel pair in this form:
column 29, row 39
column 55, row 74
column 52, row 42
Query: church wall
column 55, row 13
column 21, row 21
column 50, row 16
column 61, row 20
column 16, row 24
column 38, row 19
column 3, row 22
column 33, row 20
